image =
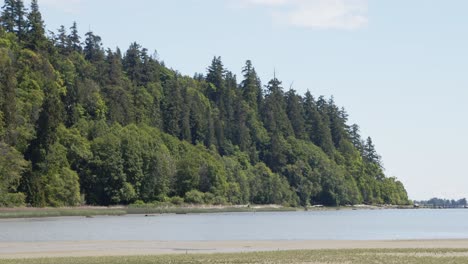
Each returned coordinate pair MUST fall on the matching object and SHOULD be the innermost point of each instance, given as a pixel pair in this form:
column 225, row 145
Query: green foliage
column 12, row 165
column 194, row 197
column 267, row 187
column 12, row 199
column 80, row 121
column 177, row 200
column 61, row 184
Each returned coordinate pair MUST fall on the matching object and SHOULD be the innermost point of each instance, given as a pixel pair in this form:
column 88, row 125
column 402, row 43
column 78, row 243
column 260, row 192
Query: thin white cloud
column 315, row 14
column 266, row 2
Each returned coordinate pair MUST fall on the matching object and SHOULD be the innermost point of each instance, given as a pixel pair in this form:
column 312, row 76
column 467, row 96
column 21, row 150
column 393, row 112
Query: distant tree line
column 83, row 124
column 443, row 203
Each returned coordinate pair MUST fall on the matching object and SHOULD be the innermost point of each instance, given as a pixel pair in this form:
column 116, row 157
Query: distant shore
column 12, row 250
column 89, row 211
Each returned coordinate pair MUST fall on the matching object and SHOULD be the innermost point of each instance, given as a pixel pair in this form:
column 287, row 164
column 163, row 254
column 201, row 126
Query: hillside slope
column 80, row 124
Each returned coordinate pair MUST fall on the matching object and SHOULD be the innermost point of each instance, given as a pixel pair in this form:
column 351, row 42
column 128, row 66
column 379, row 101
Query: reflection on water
column 311, row 225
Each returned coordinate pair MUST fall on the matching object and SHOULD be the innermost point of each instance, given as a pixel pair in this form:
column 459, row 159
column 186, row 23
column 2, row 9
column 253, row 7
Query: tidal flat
column 215, row 251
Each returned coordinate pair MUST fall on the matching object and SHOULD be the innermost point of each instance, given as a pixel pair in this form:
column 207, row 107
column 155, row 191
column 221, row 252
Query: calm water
column 312, row 225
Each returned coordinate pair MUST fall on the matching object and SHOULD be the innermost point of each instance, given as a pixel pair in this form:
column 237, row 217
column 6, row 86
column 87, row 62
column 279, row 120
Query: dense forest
column 80, row 124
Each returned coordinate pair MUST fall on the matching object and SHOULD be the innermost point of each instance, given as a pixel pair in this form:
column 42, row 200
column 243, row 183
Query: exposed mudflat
column 132, row 248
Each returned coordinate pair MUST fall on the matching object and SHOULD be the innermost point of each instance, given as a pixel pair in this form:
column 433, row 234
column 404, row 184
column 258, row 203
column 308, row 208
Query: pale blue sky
column 399, row 67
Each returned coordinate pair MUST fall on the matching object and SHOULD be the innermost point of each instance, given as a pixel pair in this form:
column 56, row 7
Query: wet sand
column 132, row 248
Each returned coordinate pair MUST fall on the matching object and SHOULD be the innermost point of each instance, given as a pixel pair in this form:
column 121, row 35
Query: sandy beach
column 10, row 250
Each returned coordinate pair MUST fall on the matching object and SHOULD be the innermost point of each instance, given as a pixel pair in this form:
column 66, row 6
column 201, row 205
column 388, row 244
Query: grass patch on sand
column 140, row 209
column 46, row 212
column 354, row 256
column 202, row 210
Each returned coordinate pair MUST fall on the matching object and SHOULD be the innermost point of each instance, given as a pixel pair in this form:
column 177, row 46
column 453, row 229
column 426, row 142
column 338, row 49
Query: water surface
column 311, row 225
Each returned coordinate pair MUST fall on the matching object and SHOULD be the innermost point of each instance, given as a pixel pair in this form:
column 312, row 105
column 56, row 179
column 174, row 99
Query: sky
column 399, row 67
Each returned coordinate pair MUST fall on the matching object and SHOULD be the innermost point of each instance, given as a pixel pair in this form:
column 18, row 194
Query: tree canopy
column 80, row 124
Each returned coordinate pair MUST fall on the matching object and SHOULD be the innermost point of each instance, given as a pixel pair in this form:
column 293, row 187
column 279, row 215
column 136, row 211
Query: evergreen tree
column 185, row 129
column 61, row 39
column 215, row 77
column 93, row 47
column 229, row 98
column 7, row 18
column 337, row 120
column 295, row 113
column 173, row 107
column 274, row 113
column 132, row 63
column 74, row 38
column 13, row 18
column 356, row 137
column 251, row 87
column 370, row 154
column 36, row 31
column 114, row 74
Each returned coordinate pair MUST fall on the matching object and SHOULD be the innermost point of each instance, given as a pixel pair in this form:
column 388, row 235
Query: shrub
column 195, row 197
column 163, row 198
column 209, row 198
column 177, row 200
column 12, row 199
column 219, row 200
column 139, row 202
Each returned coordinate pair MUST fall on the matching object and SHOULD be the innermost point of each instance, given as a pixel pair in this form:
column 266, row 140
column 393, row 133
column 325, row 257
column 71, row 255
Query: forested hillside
column 80, row 124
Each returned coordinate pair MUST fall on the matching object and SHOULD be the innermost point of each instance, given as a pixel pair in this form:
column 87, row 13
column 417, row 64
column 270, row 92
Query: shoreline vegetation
column 150, row 209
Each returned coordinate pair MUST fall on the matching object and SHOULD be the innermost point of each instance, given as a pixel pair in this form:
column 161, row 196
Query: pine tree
column 370, row 154
column 172, row 107
column 93, row 48
column 185, row 131
column 228, row 99
column 13, row 18
column 356, row 137
column 251, row 87
column 317, row 124
column 133, row 64
column 7, row 18
column 114, row 67
column 36, row 32
column 274, row 113
column 295, row 113
column 61, row 39
column 74, row 38
column 215, row 76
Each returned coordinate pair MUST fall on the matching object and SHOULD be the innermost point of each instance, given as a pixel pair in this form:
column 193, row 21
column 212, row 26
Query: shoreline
column 89, row 211
column 20, row 250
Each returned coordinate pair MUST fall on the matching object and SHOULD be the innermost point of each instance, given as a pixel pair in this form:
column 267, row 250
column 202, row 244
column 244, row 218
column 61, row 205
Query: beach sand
column 10, row 250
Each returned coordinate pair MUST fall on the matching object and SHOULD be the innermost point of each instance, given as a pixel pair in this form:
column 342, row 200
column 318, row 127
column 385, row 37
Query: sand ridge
column 132, row 248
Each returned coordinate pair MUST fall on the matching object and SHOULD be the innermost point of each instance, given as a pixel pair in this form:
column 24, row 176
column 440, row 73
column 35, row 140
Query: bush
column 209, row 198
column 12, row 199
column 195, row 197
column 163, row 198
column 177, row 200
column 139, row 202
column 219, row 200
